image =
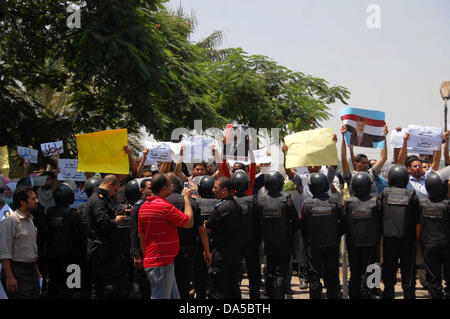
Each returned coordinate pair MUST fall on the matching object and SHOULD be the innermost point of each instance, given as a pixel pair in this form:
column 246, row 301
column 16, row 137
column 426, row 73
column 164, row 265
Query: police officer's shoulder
column 139, row 202
column 220, row 203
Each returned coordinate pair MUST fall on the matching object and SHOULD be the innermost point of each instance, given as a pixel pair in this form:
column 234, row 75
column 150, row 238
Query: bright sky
column 397, row 68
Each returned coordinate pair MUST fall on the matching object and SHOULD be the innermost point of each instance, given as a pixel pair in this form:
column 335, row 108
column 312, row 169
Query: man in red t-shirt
column 157, row 227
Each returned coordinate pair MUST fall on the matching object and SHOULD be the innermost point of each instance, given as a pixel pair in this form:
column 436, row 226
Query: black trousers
column 105, row 272
column 57, row 275
column 184, row 263
column 328, row 257
column 27, row 280
column 225, row 272
column 395, row 249
column 251, row 254
column 359, row 258
column 277, row 266
column 436, row 258
column 200, row 272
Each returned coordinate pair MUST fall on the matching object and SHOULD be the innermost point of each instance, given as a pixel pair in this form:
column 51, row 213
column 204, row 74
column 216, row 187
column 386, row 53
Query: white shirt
column 419, row 185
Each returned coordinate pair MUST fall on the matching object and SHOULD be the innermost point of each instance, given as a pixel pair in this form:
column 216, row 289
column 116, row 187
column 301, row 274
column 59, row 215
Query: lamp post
column 445, row 93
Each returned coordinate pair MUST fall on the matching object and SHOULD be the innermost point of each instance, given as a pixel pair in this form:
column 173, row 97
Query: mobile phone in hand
column 186, row 185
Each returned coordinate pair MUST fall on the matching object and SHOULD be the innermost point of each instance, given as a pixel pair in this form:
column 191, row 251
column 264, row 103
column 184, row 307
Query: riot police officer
column 363, row 227
column 224, row 224
column 135, row 247
column 132, row 195
column 279, row 221
column 400, row 221
column 322, row 228
column 86, row 275
column 64, row 238
column 249, row 236
column 205, row 204
column 435, row 234
column 103, row 242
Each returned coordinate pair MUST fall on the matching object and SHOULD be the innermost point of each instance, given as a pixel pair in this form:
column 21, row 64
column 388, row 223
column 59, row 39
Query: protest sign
column 397, row 138
column 236, row 142
column 261, row 156
column 68, row 169
column 311, row 148
column 424, row 138
column 159, row 151
column 197, row 149
column 148, row 161
column 52, row 148
column 103, row 152
column 28, row 154
column 365, row 128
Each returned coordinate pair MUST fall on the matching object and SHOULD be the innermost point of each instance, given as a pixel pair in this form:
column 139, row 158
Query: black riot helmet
column 205, row 187
column 361, row 183
column 318, row 183
column 26, row 181
column 133, row 191
column 398, row 176
column 63, row 195
column 240, row 182
column 91, row 184
column 435, row 187
column 273, row 182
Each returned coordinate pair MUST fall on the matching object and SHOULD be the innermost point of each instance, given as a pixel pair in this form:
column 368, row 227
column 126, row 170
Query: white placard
column 28, row 154
column 261, row 156
column 52, row 148
column 159, row 152
column 424, row 138
column 68, row 170
column 197, row 149
column 397, row 138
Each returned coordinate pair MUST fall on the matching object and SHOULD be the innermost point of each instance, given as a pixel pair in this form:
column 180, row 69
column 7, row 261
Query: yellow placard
column 4, row 161
column 103, row 152
column 311, row 148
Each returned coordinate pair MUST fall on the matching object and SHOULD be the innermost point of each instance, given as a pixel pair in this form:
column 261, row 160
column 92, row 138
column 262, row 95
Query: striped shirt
column 158, row 220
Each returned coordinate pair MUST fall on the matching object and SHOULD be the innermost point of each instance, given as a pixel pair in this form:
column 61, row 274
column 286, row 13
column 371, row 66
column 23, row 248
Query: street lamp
column 445, row 93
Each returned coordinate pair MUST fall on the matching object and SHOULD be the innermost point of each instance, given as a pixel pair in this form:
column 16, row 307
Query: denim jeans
column 163, row 283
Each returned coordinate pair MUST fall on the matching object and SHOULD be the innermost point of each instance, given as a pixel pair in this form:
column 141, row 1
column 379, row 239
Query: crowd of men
column 165, row 233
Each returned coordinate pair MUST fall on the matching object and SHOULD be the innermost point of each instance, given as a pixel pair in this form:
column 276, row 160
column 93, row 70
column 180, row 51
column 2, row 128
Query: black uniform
column 64, row 236
column 184, row 261
column 279, row 221
column 435, row 238
column 225, row 223
column 249, row 239
column 363, row 227
column 40, row 221
column 123, row 232
column 86, row 270
column 400, row 215
column 322, row 227
column 103, row 245
column 135, row 251
column 200, row 276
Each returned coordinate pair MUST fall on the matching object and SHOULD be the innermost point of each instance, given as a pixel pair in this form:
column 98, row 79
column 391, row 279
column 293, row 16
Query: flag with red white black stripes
column 365, row 128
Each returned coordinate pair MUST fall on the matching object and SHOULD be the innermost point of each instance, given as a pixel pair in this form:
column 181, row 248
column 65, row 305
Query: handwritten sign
column 159, row 152
column 52, row 148
column 28, row 154
column 424, row 138
column 68, row 170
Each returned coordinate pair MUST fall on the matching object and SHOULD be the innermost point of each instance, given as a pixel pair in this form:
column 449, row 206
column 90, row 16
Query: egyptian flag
column 236, row 142
column 365, row 128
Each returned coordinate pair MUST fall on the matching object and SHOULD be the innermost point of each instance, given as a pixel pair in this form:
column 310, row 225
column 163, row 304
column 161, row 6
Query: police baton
column 344, row 268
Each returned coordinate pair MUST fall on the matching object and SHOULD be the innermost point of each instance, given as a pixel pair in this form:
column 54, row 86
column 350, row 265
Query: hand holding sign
column 28, row 154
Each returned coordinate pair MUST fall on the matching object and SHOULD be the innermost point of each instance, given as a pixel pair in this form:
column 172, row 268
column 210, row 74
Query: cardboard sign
column 311, row 148
column 424, row 138
column 103, row 152
column 148, row 161
column 28, row 154
column 52, row 148
column 159, row 152
column 68, row 169
column 261, row 156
